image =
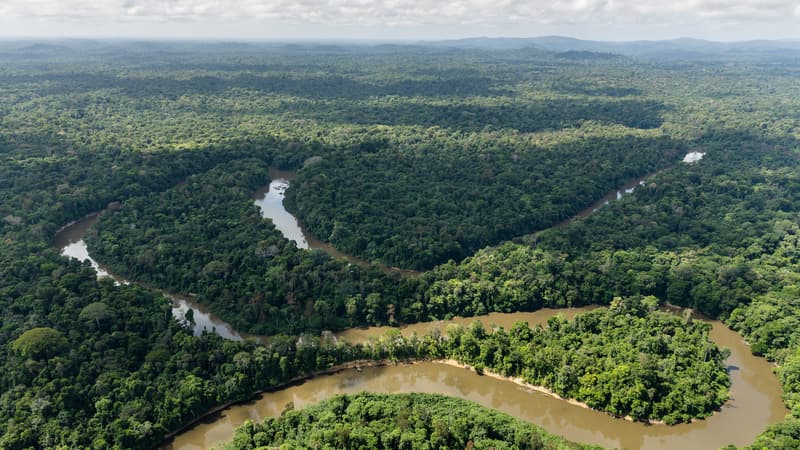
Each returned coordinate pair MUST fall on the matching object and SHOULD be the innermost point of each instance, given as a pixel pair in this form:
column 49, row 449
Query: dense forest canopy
column 439, row 157
column 628, row 360
column 401, row 421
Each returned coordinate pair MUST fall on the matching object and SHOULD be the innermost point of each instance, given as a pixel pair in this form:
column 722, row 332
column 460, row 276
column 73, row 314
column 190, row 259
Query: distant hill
column 547, row 46
column 682, row 48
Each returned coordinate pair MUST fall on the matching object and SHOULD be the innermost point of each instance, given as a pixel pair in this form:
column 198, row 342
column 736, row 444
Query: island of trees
column 400, row 421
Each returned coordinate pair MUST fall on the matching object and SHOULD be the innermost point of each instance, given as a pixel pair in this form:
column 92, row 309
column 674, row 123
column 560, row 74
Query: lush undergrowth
column 108, row 367
column 400, row 421
column 720, row 236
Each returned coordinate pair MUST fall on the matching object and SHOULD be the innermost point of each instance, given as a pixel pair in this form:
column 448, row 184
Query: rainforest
column 647, row 201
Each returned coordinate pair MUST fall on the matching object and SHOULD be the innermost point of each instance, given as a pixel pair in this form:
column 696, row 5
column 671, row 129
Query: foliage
column 627, row 359
column 206, row 237
column 400, row 421
column 416, row 201
column 129, row 381
column 95, row 313
column 463, row 148
column 39, row 342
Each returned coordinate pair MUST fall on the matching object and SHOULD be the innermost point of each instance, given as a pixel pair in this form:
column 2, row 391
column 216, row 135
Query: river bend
column 755, row 392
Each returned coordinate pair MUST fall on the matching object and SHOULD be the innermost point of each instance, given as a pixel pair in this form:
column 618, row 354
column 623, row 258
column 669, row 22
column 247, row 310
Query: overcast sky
column 402, row 19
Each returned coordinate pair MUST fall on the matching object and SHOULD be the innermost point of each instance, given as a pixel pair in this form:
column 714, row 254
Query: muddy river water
column 755, row 397
column 755, row 391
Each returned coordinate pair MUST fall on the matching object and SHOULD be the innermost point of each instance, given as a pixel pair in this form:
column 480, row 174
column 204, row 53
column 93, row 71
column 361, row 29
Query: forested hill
column 673, row 49
column 420, row 156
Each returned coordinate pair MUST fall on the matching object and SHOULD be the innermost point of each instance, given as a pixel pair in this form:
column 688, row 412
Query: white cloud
column 417, row 11
column 469, row 16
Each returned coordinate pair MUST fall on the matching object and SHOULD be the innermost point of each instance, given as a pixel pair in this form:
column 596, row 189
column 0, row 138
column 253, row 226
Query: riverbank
column 755, row 403
column 214, row 412
column 521, row 382
column 754, row 394
column 69, row 240
column 270, row 200
column 358, row 365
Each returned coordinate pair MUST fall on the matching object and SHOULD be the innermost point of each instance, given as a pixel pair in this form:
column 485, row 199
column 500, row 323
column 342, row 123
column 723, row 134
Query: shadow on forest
column 530, row 116
column 340, row 99
column 312, row 86
column 585, row 88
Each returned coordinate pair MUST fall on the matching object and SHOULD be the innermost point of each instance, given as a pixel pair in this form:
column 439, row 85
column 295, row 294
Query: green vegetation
column 419, row 200
column 401, row 421
column 709, row 236
column 38, row 343
column 206, row 237
column 123, row 374
column 627, row 360
column 424, row 154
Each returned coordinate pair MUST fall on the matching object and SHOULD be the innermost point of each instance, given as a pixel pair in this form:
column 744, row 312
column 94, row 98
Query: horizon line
column 318, row 39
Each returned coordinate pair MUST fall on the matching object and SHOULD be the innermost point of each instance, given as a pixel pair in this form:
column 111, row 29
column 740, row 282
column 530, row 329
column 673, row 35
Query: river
column 269, row 200
column 755, row 391
column 614, row 195
column 755, row 397
column 69, row 240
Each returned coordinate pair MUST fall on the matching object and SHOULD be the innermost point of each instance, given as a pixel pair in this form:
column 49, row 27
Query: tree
column 39, row 343
column 97, row 313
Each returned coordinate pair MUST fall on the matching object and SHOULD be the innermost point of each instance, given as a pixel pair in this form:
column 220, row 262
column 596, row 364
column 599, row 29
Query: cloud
column 404, row 19
column 399, row 12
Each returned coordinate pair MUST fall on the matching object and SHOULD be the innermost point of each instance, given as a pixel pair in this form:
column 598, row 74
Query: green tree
column 39, row 343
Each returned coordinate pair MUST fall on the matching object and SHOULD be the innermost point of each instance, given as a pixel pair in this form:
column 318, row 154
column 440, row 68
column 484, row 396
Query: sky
column 616, row 20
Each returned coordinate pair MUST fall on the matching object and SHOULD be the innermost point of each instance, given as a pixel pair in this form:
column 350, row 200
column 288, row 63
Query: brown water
column 755, row 392
column 69, row 240
column 755, row 397
column 489, row 320
column 270, row 200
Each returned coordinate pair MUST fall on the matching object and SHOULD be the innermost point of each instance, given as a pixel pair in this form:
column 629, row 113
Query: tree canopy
column 400, row 421
column 455, row 161
column 39, row 342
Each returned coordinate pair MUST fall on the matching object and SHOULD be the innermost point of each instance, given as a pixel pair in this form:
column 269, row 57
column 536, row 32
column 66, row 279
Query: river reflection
column 755, row 392
column 270, row 201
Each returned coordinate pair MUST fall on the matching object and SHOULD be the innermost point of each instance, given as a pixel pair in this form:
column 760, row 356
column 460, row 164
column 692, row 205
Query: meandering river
column 69, row 240
column 269, row 199
column 755, row 397
column 755, row 392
